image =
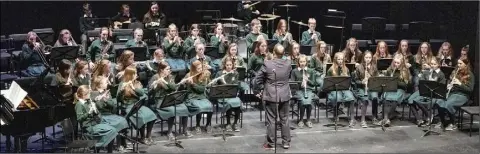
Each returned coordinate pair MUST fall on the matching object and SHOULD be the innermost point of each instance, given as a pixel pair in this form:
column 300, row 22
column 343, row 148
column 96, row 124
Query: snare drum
column 230, row 29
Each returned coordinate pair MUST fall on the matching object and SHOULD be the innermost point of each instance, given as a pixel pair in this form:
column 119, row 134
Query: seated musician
column 381, row 51
column 282, row 35
column 65, row 39
column 363, row 72
column 160, row 85
column 104, row 69
column 345, row 96
column 154, row 18
column 401, row 74
column 63, row 81
column 125, row 60
column 416, row 101
column 197, row 102
column 219, row 40
column 318, row 62
column 461, row 88
column 124, row 16
column 310, row 36
column 158, row 57
column 295, row 53
column 306, row 77
column 404, row 50
column 30, row 55
column 200, row 56
column 87, row 23
column 255, row 34
column 91, row 121
column 233, row 54
column 137, row 41
column 353, row 54
column 172, row 44
column 423, row 57
column 194, row 39
column 228, row 75
column 246, row 11
column 445, row 52
column 107, row 105
column 81, row 74
column 464, row 53
column 101, row 48
column 129, row 92
column 258, row 57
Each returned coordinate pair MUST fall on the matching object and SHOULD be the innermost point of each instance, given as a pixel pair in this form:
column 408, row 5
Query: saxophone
column 105, row 48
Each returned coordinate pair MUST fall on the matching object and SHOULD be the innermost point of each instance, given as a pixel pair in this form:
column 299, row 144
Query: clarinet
column 305, row 87
column 450, row 85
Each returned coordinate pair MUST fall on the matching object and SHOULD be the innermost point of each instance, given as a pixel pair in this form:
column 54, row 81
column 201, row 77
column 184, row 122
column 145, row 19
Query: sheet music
column 15, row 94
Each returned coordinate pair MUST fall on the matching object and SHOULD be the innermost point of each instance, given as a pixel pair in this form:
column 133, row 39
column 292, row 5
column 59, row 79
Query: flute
column 186, row 79
column 221, row 78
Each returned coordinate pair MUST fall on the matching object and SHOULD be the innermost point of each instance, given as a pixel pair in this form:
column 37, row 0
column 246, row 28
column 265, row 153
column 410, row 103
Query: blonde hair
column 99, row 69
column 170, row 28
column 203, row 77
column 82, row 91
column 278, row 51
column 440, row 51
column 335, row 66
column 129, row 76
column 404, row 72
column 97, row 82
column 302, row 56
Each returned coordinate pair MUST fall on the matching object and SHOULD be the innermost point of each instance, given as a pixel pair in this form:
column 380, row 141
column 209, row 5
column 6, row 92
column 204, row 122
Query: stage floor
column 402, row 137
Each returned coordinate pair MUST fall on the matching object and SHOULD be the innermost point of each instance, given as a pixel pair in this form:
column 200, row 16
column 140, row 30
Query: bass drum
column 242, row 48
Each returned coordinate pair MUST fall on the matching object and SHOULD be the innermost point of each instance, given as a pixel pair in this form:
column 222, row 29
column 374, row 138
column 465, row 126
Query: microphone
column 273, row 70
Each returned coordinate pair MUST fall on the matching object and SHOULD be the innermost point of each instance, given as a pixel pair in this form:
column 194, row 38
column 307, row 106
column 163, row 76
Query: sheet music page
column 1, row 122
column 15, row 94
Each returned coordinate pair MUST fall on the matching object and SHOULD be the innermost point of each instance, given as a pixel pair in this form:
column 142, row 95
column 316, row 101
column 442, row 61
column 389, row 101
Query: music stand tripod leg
column 429, row 131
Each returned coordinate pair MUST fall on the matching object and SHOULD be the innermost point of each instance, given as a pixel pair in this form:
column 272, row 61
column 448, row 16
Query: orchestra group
column 90, row 79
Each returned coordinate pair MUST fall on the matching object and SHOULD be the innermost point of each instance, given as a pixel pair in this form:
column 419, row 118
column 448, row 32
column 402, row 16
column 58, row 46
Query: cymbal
column 287, row 5
column 266, row 19
column 299, row 23
column 270, row 15
column 230, row 19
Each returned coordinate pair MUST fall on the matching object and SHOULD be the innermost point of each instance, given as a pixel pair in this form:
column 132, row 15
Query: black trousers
column 283, row 109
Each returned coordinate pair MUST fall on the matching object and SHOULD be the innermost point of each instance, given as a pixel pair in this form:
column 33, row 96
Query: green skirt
column 397, row 96
column 319, row 79
column 370, row 95
column 117, row 122
column 145, row 115
column 305, row 100
column 415, row 97
column 102, row 133
column 454, row 100
column 168, row 112
column 340, row 96
column 228, row 103
column 196, row 106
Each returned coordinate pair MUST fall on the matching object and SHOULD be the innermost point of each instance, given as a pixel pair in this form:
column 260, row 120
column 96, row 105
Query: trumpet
column 450, row 85
column 178, row 40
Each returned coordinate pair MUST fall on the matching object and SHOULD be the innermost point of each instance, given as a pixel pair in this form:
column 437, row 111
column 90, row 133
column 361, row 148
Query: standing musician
column 246, row 11
column 282, row 35
column 154, row 18
column 399, row 72
column 233, row 54
column 228, row 75
column 310, row 36
column 81, row 74
column 295, row 53
column 258, row 57
column 197, row 102
column 352, row 53
column 87, row 23
column 107, row 106
column 423, row 56
column 255, row 34
column 318, row 62
column 305, row 94
column 103, row 69
column 381, row 51
column 174, row 50
column 160, row 85
column 274, row 76
column 404, row 50
column 137, row 41
column 91, row 119
column 219, row 40
column 345, row 96
column 101, row 48
column 129, row 92
column 30, row 55
column 65, row 39
column 200, row 56
column 417, row 101
column 124, row 16
column 363, row 72
column 461, row 85
column 194, row 39
column 445, row 52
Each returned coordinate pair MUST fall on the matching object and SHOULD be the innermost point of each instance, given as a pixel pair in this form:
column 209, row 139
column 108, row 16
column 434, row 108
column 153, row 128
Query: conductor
column 274, row 76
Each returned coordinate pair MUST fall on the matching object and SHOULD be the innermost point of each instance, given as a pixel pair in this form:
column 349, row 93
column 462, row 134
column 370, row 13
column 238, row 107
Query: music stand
column 432, row 89
column 65, row 52
column 135, row 108
column 384, row 63
column 222, row 92
column 210, row 51
column 447, row 70
column 373, row 25
column 271, row 44
column 241, row 73
column 382, row 84
column 336, row 84
column 350, row 66
column 306, row 50
column 173, row 99
column 149, row 35
column 140, row 53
